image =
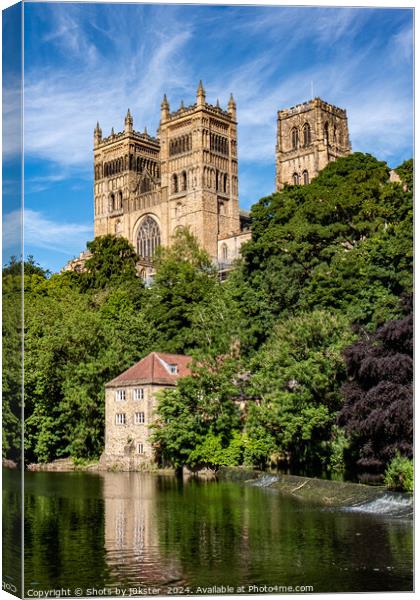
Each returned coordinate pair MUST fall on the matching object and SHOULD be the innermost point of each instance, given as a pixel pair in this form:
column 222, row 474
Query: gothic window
column 326, row 136
column 305, row 177
column 184, row 180
column 306, row 135
column 295, row 179
column 295, row 138
column 174, row 184
column 112, row 202
column 148, row 238
column 120, row 199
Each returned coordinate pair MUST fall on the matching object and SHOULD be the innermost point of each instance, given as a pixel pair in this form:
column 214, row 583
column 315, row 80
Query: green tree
column 185, row 283
column 112, row 262
column 342, row 242
column 295, row 382
column 199, row 416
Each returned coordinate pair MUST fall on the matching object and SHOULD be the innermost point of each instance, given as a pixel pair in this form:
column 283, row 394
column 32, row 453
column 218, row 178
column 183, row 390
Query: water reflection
column 133, row 529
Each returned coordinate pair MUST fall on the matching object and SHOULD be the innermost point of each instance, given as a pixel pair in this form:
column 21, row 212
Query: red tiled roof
column 154, row 368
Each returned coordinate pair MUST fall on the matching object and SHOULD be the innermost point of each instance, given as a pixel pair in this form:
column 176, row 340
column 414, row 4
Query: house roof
column 154, row 368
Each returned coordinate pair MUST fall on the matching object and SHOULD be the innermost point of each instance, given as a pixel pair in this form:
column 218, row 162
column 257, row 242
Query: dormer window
column 173, row 369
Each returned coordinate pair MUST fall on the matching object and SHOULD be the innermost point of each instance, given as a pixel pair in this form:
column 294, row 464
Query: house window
column 120, row 395
column 120, row 419
column 140, row 448
column 139, row 418
column 305, row 177
column 139, row 394
column 173, row 369
column 224, row 252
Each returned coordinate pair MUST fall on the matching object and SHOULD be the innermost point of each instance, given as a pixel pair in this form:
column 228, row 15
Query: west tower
column 309, row 136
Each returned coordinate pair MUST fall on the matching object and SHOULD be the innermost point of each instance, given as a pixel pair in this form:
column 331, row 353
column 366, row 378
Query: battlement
column 309, row 105
column 137, row 135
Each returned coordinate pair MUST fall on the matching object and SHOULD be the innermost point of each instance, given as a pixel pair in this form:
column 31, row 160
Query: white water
column 399, row 505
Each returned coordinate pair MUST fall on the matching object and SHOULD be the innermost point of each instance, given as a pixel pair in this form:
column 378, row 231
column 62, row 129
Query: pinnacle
column 200, row 89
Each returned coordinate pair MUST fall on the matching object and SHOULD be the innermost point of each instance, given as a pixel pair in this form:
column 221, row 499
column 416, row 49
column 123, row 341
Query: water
column 127, row 530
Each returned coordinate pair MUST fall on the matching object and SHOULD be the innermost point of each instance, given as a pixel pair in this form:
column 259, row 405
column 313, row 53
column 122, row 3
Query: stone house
column 130, row 404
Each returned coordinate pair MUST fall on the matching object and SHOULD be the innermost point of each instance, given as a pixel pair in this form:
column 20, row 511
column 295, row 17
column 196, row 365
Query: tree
column 295, row 382
column 343, row 242
column 113, row 261
column 185, row 280
column 378, row 409
column 199, row 417
column 75, row 342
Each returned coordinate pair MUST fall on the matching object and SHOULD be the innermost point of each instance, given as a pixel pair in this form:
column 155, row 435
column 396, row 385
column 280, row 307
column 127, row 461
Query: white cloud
column 42, row 232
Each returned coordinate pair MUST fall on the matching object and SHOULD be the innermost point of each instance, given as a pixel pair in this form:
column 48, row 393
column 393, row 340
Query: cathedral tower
column 200, row 170
column 309, row 136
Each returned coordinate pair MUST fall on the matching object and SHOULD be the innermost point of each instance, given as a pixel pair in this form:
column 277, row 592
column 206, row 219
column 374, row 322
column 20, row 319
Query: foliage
column 185, row 296
column 296, row 378
column 75, row 341
column 112, row 262
column 343, row 242
column 399, row 475
column 199, row 416
column 378, row 413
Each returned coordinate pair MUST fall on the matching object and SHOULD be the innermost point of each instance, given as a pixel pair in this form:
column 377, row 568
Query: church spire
column 232, row 107
column 201, row 94
column 164, row 109
column 97, row 134
column 128, row 122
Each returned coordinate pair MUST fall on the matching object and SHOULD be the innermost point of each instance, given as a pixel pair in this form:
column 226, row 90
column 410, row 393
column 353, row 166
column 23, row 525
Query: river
column 115, row 531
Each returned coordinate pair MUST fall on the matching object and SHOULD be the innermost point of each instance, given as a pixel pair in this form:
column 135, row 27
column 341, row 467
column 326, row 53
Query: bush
column 399, row 475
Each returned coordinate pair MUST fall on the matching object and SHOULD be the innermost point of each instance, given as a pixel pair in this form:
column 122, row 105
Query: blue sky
column 89, row 62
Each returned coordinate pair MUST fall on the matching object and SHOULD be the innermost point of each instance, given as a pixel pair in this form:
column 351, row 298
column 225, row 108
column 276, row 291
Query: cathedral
column 146, row 187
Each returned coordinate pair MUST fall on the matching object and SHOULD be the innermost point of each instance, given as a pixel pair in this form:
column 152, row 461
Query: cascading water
column 391, row 504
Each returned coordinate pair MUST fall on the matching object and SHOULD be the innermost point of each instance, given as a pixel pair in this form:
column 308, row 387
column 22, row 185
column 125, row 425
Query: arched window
column 112, row 202
column 148, row 238
column 295, row 138
column 305, row 177
column 120, row 199
column 295, row 179
column 326, row 137
column 306, row 135
column 225, row 183
column 184, row 180
column 224, row 253
column 174, row 184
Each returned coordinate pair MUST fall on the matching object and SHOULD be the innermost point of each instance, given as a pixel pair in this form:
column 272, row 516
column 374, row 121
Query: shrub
column 399, row 474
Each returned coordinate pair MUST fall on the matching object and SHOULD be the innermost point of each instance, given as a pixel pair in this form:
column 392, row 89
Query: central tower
column 199, row 169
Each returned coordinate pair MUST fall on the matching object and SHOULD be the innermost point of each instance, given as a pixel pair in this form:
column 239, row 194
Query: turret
column 201, row 95
column 164, row 109
column 232, row 107
column 97, row 135
column 128, row 122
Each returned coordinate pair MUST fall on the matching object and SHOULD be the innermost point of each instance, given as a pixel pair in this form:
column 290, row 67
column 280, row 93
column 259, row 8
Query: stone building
column 146, row 187
column 130, row 403
column 309, row 136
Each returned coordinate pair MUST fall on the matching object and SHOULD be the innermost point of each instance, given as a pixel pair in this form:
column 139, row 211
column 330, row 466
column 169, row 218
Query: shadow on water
column 131, row 529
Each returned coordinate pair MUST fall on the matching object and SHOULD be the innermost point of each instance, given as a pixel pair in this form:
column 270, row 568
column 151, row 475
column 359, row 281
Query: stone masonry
column 309, row 136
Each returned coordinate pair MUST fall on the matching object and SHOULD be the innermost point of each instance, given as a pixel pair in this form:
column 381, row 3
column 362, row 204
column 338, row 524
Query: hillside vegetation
column 312, row 331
